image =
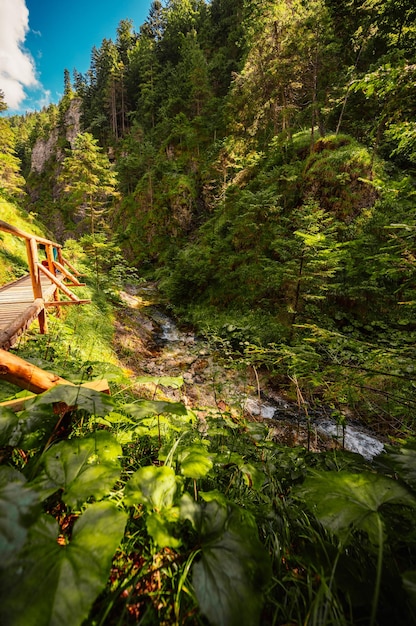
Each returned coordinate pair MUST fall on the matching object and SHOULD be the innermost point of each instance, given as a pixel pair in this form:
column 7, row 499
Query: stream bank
column 149, row 344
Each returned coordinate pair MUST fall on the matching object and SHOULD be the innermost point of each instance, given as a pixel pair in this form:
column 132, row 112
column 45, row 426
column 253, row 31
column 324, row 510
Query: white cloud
column 17, row 67
column 43, row 100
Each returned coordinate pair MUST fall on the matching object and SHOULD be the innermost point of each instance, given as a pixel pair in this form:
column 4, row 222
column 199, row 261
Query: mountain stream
column 149, row 344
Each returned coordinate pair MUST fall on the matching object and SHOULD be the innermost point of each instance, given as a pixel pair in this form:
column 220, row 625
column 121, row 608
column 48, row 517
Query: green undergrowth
column 306, row 269
column 133, row 511
column 130, row 509
column 145, row 513
column 353, row 369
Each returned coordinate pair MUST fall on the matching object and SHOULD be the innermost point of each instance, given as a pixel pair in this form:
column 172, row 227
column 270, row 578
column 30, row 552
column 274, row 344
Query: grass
column 78, row 347
column 232, row 470
column 13, row 258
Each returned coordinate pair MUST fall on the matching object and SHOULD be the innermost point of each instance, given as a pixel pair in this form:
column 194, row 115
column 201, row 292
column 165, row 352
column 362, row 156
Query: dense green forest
column 260, row 161
column 257, row 160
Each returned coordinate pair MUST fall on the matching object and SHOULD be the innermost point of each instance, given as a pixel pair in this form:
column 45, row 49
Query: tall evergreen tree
column 11, row 181
column 89, row 181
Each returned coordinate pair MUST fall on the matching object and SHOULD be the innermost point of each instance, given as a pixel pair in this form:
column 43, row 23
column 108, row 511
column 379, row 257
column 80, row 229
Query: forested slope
column 255, row 159
column 265, row 156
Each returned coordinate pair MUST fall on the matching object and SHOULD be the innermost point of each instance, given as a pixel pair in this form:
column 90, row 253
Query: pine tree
column 89, row 181
column 314, row 257
column 11, row 182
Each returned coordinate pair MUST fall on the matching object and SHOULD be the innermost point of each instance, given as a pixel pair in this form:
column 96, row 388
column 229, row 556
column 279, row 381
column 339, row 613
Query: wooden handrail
column 64, row 261
column 53, row 265
column 12, row 230
column 67, row 274
column 49, row 245
column 58, row 303
column 57, row 282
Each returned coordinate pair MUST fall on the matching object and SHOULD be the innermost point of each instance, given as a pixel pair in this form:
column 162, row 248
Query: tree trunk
column 25, row 375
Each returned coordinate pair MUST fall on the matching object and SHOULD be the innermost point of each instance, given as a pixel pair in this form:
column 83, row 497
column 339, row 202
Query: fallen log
column 25, row 375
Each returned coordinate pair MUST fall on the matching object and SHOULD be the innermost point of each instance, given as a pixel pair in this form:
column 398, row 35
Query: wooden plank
column 20, row 323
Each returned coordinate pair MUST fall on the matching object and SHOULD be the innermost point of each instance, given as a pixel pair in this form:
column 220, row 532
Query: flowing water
column 209, row 384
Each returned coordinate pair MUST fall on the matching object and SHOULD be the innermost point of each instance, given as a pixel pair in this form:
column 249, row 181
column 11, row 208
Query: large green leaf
column 145, row 408
column 162, row 530
column 253, row 474
column 118, row 418
column 85, row 467
column 38, row 420
column 32, row 428
column 257, row 430
column 190, row 510
column 155, row 487
column 195, row 461
column 56, row 585
column 166, row 381
column 19, row 508
column 228, row 457
column 214, row 494
column 342, row 500
column 404, row 464
column 92, row 401
column 10, row 428
column 233, row 569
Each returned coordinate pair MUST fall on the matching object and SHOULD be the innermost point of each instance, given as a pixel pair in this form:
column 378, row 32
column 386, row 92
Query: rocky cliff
column 46, row 148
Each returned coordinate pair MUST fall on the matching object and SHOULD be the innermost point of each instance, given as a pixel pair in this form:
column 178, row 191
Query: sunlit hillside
column 13, row 261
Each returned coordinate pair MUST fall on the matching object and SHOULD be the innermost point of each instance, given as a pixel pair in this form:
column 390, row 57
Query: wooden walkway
column 19, row 308
column 27, row 298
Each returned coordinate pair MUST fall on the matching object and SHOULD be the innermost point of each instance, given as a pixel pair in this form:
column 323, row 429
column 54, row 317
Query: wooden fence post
column 52, row 269
column 49, row 256
column 32, row 255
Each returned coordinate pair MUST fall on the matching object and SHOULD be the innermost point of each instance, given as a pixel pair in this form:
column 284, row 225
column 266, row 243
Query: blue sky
column 40, row 38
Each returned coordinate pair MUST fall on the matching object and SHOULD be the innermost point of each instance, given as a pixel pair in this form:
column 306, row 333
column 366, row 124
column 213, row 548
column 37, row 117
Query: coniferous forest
column 255, row 160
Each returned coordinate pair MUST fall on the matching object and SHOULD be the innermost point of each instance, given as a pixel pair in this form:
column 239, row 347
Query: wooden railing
column 55, row 267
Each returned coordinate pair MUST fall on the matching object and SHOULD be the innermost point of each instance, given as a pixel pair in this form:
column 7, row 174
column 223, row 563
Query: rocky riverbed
column 150, row 345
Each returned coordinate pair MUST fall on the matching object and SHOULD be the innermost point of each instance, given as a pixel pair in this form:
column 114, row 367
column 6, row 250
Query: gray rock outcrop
column 46, row 148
